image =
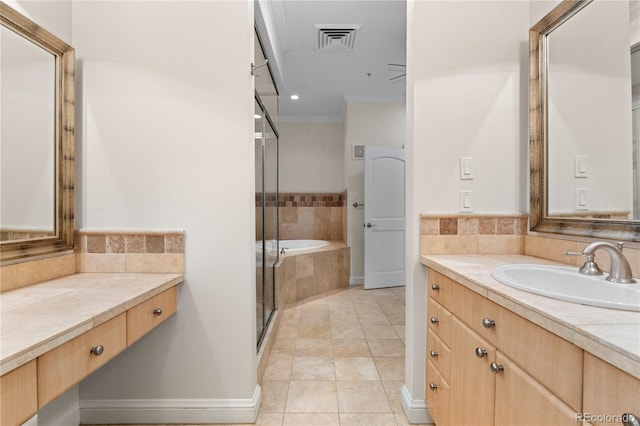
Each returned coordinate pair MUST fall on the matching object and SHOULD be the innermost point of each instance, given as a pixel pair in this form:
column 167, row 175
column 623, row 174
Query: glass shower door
column 270, row 168
column 260, row 242
column 266, row 181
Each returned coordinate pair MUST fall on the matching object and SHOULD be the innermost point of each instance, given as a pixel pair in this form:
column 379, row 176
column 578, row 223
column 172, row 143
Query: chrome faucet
column 620, row 269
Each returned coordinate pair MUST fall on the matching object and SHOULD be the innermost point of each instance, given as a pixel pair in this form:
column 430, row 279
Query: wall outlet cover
column 358, row 152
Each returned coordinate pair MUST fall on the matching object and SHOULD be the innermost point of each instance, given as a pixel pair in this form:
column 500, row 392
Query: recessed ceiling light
column 294, row 97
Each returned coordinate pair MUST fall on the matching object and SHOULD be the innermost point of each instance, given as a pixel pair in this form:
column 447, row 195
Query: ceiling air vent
column 336, row 38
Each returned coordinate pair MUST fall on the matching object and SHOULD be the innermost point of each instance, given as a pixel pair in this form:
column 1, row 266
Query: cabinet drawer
column 438, row 287
column 520, row 400
column 66, row 365
column 473, row 309
column 149, row 314
column 438, row 394
column 439, row 321
column 608, row 391
column 439, row 354
column 18, row 395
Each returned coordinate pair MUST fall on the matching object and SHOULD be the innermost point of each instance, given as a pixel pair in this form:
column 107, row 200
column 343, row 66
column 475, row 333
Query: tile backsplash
column 466, row 234
column 103, row 251
column 504, row 234
column 318, row 216
column 130, row 251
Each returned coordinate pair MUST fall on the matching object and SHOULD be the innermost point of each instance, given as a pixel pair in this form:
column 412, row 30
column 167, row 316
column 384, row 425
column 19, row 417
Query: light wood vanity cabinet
column 18, row 394
column 608, row 391
column 504, row 369
column 30, row 387
column 148, row 315
column 66, row 365
column 471, row 379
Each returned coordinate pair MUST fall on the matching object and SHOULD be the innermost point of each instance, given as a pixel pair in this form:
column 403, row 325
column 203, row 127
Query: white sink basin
column 565, row 283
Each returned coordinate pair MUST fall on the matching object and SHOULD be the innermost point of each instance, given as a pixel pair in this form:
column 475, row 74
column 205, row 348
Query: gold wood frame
column 62, row 240
column 539, row 221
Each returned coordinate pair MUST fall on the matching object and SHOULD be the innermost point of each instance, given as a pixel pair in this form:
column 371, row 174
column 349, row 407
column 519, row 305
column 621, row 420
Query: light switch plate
column 466, row 168
column 358, row 152
column 582, row 198
column 466, row 201
column 581, row 167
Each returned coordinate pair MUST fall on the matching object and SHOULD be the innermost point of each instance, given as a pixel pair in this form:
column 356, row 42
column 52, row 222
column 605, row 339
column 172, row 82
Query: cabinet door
column 472, row 382
column 520, row 400
column 608, row 392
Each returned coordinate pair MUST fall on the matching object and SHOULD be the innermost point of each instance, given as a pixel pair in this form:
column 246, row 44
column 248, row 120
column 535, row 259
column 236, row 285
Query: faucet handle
column 619, row 245
column 574, row 253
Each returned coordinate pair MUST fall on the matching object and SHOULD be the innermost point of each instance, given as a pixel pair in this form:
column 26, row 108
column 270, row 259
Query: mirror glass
column 583, row 120
column 27, row 139
column 592, row 170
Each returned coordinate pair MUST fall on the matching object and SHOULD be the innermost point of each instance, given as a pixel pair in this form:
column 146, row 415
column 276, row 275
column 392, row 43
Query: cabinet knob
column 488, row 323
column 97, row 350
column 157, row 312
column 435, row 287
column 434, row 320
column 433, row 386
column 481, row 353
column 629, row 419
column 496, row 368
column 433, row 354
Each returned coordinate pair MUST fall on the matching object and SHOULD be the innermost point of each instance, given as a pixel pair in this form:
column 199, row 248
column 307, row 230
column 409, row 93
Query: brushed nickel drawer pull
column 435, row 287
column 488, row 323
column 433, row 386
column 97, row 350
column 433, row 354
column 157, row 312
column 481, row 353
column 434, row 320
column 496, row 368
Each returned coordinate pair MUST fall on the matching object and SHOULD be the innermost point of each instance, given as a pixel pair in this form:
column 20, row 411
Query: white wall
column 374, row 124
column 589, row 104
column 311, row 157
column 166, row 106
column 467, row 96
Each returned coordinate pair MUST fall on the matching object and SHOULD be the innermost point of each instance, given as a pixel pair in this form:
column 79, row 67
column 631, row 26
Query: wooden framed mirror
column 584, row 178
column 38, row 141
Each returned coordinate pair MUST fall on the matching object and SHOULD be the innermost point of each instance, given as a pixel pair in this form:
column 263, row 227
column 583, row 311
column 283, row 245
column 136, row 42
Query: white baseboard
column 356, row 280
column 159, row 411
column 414, row 409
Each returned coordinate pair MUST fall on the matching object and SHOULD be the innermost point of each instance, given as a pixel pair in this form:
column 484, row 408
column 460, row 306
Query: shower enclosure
column 266, row 173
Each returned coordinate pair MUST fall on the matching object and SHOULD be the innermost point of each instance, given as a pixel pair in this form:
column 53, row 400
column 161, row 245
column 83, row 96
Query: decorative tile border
column 129, row 242
column 304, row 199
column 473, row 225
column 468, row 234
column 130, row 251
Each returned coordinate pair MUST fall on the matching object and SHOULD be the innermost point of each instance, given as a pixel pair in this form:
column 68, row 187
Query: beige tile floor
column 338, row 360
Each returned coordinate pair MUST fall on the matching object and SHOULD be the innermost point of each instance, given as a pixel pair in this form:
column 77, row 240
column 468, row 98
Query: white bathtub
column 299, row 245
column 292, row 246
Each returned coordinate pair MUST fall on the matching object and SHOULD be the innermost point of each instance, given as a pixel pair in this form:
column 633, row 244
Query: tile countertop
column 38, row 318
column 610, row 334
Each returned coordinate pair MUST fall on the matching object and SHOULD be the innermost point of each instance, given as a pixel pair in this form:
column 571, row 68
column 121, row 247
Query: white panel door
column 383, row 217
